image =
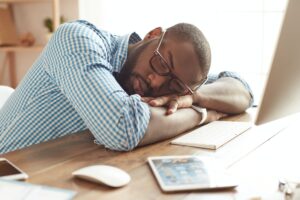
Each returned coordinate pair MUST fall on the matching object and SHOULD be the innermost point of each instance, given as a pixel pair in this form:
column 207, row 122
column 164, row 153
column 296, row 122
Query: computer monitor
column 281, row 96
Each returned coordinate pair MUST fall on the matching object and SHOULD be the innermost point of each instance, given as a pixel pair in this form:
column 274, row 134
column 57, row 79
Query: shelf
column 9, row 51
column 55, row 8
column 22, row 48
column 22, row 1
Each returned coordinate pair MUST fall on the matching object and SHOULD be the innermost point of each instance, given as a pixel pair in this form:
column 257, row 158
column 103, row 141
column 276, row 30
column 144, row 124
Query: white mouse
column 108, row 175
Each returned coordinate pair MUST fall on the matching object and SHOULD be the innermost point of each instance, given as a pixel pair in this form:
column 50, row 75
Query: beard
column 127, row 72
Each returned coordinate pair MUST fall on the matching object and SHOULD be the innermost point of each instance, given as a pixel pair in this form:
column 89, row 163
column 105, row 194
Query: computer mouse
column 103, row 174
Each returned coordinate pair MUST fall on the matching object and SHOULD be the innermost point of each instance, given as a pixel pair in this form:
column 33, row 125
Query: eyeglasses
column 160, row 66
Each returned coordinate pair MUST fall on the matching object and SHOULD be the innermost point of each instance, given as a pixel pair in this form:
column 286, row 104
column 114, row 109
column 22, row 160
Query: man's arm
column 227, row 95
column 162, row 126
column 77, row 63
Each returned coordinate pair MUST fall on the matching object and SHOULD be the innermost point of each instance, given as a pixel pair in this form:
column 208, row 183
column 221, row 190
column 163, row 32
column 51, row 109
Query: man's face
column 138, row 75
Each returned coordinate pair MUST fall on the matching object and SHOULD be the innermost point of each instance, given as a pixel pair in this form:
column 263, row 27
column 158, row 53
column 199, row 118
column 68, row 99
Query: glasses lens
column 177, row 86
column 159, row 65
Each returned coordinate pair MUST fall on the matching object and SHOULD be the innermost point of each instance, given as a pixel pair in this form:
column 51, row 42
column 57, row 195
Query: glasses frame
column 170, row 71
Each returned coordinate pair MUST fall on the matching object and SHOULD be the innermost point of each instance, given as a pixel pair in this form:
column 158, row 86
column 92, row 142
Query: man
column 87, row 78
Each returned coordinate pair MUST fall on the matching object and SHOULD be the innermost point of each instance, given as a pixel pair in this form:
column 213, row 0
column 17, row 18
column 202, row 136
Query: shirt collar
column 122, row 50
column 134, row 38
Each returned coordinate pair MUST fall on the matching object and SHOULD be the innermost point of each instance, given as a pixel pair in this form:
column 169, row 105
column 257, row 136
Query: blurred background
column 242, row 33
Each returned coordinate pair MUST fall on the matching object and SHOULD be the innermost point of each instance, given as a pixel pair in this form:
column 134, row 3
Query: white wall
column 242, row 33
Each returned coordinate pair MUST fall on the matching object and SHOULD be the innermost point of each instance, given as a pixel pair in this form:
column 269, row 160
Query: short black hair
column 190, row 33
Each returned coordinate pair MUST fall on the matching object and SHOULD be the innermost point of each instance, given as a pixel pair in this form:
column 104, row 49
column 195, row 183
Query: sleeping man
column 128, row 92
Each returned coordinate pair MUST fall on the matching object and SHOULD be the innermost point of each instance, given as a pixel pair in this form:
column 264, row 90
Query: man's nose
column 156, row 81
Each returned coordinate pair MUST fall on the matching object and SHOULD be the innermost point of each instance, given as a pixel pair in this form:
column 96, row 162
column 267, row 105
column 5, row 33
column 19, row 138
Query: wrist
column 199, row 99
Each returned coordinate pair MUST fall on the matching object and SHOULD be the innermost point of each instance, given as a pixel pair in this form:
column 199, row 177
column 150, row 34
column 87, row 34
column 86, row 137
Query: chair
column 5, row 92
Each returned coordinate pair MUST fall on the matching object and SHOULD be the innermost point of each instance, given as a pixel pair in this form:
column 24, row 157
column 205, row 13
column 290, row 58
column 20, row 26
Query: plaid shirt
column 71, row 88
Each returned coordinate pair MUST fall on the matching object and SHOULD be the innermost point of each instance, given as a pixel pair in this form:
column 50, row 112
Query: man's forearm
column 162, row 126
column 226, row 95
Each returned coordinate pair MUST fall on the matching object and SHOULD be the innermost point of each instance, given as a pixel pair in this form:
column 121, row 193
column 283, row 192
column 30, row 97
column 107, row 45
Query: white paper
column 15, row 190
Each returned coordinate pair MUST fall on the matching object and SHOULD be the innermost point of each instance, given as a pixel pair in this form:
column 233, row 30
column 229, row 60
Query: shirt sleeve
column 213, row 77
column 77, row 61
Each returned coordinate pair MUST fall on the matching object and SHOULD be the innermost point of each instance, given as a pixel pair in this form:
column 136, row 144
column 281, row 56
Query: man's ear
column 153, row 33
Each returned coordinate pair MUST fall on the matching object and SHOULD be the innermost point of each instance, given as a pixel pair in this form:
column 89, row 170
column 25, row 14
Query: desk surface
column 247, row 157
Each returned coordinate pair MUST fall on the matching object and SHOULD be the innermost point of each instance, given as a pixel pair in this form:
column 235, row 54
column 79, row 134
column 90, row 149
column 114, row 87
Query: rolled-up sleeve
column 77, row 61
column 213, row 77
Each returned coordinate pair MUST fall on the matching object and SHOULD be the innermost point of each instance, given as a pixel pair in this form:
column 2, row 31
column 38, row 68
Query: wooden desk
column 51, row 163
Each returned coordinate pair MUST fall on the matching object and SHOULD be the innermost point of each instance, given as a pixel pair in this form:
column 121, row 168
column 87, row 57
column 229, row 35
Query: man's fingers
column 173, row 105
column 183, row 101
column 222, row 115
column 147, row 99
column 160, row 101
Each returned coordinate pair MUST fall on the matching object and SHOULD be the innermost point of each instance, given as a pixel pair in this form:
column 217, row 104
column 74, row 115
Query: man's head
column 175, row 61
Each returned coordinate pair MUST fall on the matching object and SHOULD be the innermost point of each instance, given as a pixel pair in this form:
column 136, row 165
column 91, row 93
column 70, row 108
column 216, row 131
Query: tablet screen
column 175, row 173
column 182, row 171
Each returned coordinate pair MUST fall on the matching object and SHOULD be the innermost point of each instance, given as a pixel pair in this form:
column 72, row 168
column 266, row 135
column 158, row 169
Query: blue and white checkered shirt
column 71, row 88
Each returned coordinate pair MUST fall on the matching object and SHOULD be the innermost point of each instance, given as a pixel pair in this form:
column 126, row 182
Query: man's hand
column 226, row 95
column 172, row 102
column 175, row 102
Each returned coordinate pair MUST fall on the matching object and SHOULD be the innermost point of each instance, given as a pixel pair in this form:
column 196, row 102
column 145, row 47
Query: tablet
column 181, row 173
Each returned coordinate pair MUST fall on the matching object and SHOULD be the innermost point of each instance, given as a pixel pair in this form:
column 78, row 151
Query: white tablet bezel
column 218, row 178
column 20, row 176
